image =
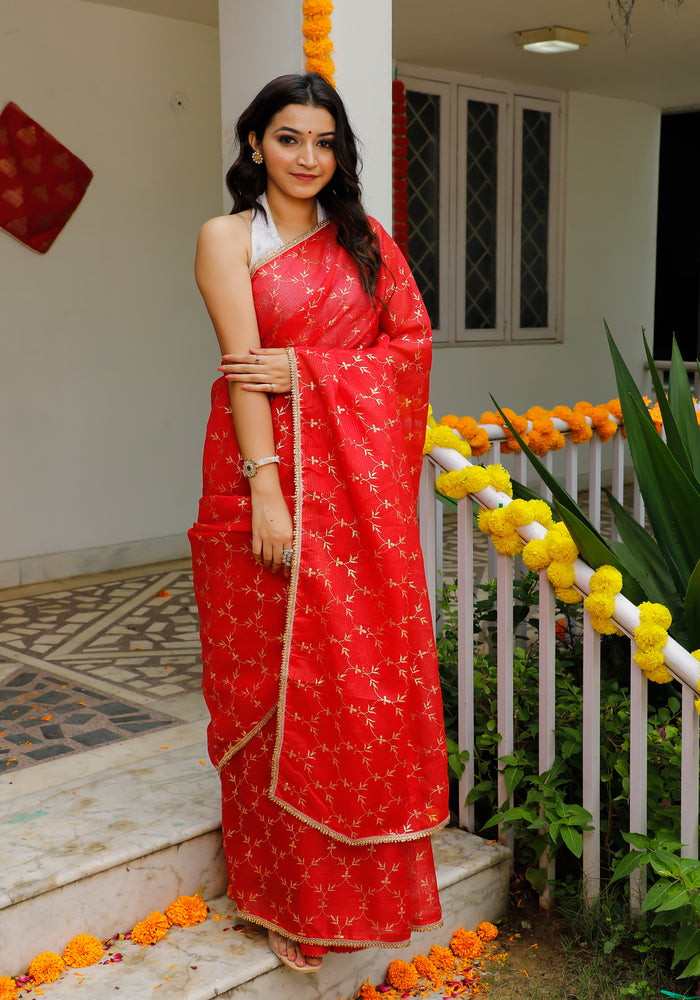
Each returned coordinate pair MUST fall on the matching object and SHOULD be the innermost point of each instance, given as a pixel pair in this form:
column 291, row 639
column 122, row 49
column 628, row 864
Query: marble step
column 215, row 959
column 99, row 852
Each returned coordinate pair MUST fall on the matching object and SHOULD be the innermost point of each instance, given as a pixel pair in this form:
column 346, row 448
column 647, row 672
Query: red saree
column 326, row 718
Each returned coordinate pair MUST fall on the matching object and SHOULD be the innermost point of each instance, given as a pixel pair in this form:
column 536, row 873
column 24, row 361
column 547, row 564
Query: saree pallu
column 326, row 717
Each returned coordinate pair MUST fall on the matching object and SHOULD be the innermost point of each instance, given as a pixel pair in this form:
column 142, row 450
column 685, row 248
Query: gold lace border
column 288, row 246
column 335, row 942
column 235, row 747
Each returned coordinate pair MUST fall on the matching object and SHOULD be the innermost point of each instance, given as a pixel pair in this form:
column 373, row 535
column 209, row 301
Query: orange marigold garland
column 318, row 46
column 399, row 127
column 187, row 911
column 8, row 988
column 46, row 968
column 82, row 950
column 152, row 929
column 467, row 944
column 402, row 975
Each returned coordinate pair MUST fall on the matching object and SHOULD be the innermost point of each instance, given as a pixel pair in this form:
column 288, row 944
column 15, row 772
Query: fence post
column 591, row 758
column 638, row 771
column 547, row 701
column 465, row 652
column 504, row 659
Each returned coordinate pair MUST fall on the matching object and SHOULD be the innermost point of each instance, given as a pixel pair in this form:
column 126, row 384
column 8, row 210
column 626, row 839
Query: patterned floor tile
column 43, row 717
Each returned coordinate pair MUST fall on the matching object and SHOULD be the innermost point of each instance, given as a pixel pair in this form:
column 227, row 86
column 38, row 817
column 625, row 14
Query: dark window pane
column 423, row 112
column 534, row 207
column 482, row 215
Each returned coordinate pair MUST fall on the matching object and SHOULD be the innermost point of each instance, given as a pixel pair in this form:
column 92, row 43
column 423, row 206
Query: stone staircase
column 96, row 847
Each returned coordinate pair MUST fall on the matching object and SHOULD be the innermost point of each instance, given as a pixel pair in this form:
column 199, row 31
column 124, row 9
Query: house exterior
column 108, row 352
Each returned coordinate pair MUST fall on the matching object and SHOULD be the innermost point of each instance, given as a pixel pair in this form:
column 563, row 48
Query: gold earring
column 257, row 157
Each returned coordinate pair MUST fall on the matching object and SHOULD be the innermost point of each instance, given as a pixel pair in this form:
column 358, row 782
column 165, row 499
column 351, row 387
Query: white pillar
column 261, row 39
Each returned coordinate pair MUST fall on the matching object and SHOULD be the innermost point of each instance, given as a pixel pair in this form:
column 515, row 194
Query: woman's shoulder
column 227, row 235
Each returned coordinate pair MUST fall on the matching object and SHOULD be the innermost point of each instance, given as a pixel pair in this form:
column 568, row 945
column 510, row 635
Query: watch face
column 250, row 467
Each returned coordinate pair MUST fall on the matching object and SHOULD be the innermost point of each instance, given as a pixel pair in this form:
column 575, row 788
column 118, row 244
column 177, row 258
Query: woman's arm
column 221, row 270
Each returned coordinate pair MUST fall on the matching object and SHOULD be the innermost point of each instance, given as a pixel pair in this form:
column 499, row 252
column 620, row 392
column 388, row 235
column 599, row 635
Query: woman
column 319, row 662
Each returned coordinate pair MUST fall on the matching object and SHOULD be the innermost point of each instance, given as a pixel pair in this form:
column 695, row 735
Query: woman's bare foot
column 289, row 952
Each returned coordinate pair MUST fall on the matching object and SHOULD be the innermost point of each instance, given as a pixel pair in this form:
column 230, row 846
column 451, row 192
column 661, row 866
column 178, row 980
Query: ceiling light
column 551, row 39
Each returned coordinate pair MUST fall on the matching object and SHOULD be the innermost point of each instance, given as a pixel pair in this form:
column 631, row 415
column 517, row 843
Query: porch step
column 215, row 959
column 98, row 853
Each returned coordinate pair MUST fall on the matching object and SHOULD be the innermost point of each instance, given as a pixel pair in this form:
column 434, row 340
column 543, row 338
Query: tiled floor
column 90, row 665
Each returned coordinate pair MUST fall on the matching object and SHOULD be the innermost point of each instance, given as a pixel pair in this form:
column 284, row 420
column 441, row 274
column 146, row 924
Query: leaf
column 596, row 552
column 680, row 399
column 640, row 552
column 673, row 436
column 657, row 894
column 675, row 509
column 626, row 865
column 676, row 896
column 573, row 840
column 692, row 607
column 691, row 969
column 537, row 877
column 687, row 943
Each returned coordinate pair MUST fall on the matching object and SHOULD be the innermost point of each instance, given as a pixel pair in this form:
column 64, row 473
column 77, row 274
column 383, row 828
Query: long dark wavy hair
column 340, row 198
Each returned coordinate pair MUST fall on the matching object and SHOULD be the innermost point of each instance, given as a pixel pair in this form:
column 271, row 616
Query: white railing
column 681, row 664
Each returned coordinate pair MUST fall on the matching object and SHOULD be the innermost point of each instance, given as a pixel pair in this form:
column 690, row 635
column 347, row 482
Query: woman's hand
column 263, row 369
column 273, row 530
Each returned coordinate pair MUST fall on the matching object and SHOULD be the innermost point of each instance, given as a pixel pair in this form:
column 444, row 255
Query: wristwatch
column 251, row 465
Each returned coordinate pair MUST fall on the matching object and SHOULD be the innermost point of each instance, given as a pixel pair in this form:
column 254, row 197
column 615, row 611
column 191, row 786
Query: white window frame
column 455, row 89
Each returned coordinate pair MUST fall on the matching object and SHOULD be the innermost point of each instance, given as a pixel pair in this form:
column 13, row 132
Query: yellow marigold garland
column 152, row 929
column 318, row 46
column 443, row 437
column 46, row 968
column 651, row 636
column 187, row 911
column 8, row 988
column 82, row 950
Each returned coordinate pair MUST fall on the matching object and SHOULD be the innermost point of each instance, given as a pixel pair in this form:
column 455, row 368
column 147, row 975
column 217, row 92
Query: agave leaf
column 596, row 552
column 638, row 550
column 692, row 607
column 558, row 491
column 674, row 511
column 680, row 400
column 674, row 438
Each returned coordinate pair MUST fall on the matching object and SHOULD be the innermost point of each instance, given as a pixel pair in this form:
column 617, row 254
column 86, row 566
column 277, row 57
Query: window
column 483, row 199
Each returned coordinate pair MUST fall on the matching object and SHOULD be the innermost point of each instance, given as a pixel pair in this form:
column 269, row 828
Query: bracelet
column 251, row 466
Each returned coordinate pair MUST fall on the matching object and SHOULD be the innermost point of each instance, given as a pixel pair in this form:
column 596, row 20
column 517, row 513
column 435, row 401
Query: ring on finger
column 287, row 557
column 257, row 361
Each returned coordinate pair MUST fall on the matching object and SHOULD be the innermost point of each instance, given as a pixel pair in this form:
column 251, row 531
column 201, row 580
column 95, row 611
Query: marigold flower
column 425, row 968
column 8, row 988
column 654, row 614
column 368, row 992
column 324, row 68
column 599, row 605
column 561, row 574
column 562, row 413
column 152, row 929
column 536, row 555
column 500, row 480
column 569, row 595
column 648, row 659
column 319, row 48
column 536, row 413
column 519, row 422
column 487, row 417
column 186, row 911
column 444, row 437
column 46, row 968
column 467, row 944
column 317, row 26
column 313, row 8
column 510, row 544
column 543, row 512
column 483, row 520
column 583, row 407
column 476, row 478
column 467, row 427
column 606, row 580
column 479, row 442
column 498, row 522
column 561, row 545
column 82, row 950
column 604, row 626
column 580, row 430
column 649, row 637
column 519, row 513
column 442, row 958
column 615, row 409
column 604, row 425
column 451, row 420
column 487, row 931
column 402, row 975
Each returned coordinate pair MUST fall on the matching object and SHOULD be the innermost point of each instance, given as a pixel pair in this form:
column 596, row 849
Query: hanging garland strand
column 318, row 46
column 400, row 165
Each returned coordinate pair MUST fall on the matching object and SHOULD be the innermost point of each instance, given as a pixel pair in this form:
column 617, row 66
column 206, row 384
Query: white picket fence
column 681, row 664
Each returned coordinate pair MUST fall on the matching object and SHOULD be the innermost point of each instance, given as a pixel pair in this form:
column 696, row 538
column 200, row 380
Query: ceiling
column 661, row 66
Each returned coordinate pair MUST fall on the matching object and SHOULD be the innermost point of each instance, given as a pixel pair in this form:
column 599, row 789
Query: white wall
column 363, row 74
column 609, row 270
column 107, row 351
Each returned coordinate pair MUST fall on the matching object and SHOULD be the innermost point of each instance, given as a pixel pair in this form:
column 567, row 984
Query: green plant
column 675, row 896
